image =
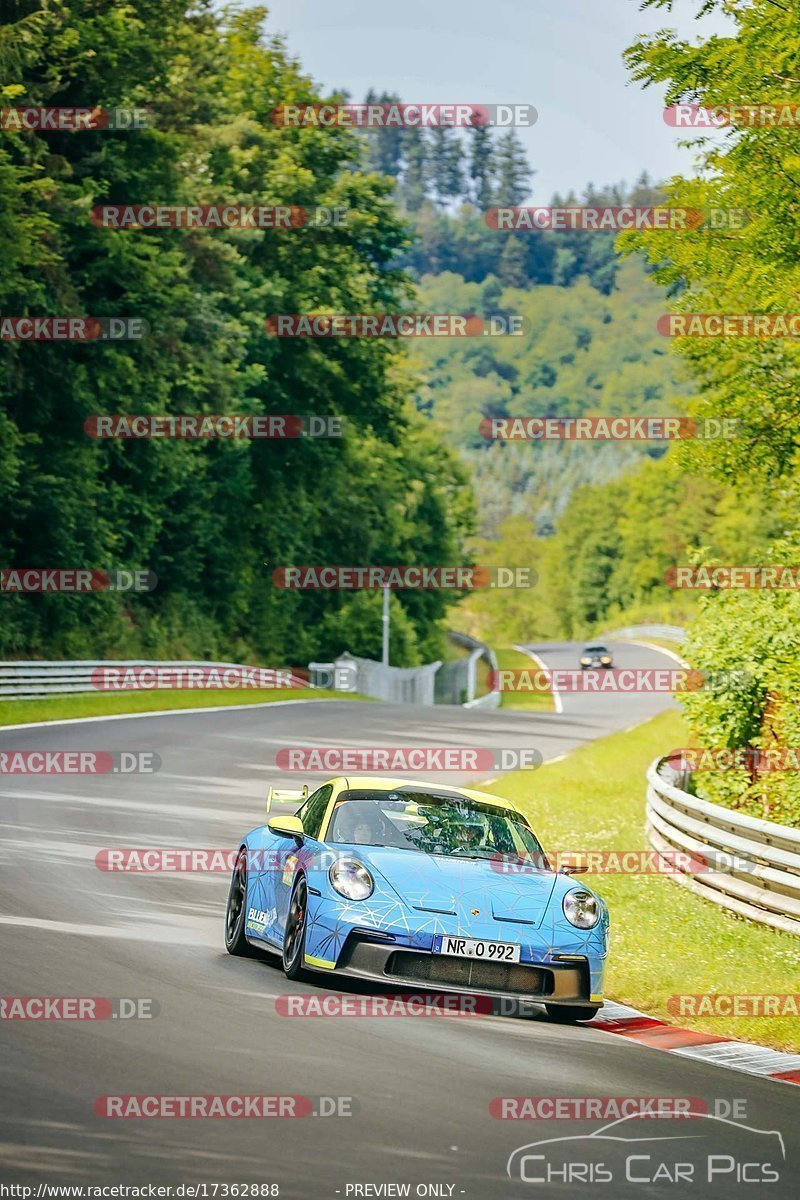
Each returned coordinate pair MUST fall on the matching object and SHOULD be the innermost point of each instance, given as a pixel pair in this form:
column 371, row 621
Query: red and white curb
column 706, row 1047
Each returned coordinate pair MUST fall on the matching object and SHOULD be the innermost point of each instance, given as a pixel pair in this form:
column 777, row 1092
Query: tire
column 567, row 1014
column 235, row 941
column 294, row 936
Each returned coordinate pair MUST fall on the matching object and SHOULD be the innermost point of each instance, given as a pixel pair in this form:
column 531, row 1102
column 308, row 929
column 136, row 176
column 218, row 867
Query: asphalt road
column 421, row 1088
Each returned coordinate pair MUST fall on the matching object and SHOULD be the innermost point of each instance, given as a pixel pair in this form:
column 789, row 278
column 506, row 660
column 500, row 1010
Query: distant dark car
column 596, row 656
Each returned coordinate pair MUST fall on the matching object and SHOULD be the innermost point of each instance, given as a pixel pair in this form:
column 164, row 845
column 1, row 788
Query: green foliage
column 753, row 269
column 744, row 631
column 582, row 353
column 212, row 519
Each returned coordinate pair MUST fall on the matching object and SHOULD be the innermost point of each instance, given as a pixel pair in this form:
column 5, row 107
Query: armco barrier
column 670, row 633
column 758, row 862
column 38, row 678
column 456, row 682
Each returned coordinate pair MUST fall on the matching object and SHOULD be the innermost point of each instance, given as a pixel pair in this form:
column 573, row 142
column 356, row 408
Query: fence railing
column 36, row 677
column 742, row 863
column 398, row 685
column 457, row 680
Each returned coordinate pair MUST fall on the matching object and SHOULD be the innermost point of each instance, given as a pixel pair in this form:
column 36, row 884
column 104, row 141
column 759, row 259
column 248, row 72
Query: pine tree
column 481, row 167
column 513, row 170
column 447, row 172
column 384, row 145
column 416, row 167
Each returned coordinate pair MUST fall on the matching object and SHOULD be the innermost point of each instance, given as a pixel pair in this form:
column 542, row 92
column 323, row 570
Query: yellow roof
column 386, row 783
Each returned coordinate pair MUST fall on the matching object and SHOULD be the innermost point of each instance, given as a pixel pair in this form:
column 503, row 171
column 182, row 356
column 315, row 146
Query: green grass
column 103, row 704
column 664, row 939
column 509, row 659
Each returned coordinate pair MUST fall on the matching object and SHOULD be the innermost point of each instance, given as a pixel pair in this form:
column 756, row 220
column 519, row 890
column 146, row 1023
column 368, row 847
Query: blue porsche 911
column 418, row 885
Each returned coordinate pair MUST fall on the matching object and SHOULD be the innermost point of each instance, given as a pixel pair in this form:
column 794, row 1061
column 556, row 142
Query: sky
column 562, row 56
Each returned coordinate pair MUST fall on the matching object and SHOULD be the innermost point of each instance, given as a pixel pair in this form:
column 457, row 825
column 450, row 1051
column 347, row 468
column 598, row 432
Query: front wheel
column 566, row 1014
column 294, row 937
column 235, row 941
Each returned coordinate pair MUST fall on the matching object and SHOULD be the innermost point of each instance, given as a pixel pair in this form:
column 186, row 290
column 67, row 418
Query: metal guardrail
column 35, row 677
column 465, row 672
column 670, row 633
column 753, row 865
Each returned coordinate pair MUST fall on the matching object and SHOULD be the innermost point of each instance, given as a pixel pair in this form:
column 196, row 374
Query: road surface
column 421, row 1087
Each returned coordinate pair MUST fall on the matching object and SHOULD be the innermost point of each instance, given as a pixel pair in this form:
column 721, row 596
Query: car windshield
column 595, row 650
column 431, row 823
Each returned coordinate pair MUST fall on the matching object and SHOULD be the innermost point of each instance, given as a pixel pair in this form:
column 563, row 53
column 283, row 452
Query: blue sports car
column 418, row 885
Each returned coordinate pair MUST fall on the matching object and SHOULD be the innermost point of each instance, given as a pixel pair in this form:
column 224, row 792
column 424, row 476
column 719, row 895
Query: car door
column 288, row 854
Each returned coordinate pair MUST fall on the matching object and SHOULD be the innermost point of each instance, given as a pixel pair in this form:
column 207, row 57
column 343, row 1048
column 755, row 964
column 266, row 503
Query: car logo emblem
column 476, row 912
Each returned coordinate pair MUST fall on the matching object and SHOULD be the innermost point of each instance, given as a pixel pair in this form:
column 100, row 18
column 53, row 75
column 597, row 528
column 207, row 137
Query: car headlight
column 585, row 662
column 606, row 661
column 351, row 879
column 581, row 908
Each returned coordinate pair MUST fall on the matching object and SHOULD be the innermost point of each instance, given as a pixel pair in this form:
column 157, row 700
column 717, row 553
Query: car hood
column 484, row 899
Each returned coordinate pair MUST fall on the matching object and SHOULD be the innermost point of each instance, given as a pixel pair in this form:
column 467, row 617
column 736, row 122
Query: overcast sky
column 562, row 56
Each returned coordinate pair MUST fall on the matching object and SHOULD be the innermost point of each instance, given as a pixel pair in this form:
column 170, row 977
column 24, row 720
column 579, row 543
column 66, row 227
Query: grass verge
column 509, row 659
column 104, row 704
column 664, row 940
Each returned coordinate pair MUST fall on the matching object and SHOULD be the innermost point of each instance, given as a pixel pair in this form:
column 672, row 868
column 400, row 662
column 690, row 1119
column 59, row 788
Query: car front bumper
column 388, row 963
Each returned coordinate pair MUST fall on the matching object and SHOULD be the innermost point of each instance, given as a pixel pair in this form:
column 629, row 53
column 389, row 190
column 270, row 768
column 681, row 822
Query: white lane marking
column 161, row 712
column 169, row 810
column 658, row 649
column 557, row 702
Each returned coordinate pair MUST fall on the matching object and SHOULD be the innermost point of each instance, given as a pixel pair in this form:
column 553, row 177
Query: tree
column 416, row 170
column 481, row 168
column 203, row 515
column 512, row 170
column 446, row 165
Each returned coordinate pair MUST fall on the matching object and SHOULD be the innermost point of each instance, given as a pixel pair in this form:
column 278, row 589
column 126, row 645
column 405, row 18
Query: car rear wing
column 286, row 800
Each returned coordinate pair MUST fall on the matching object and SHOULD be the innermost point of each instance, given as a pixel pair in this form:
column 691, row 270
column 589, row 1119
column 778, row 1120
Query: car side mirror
column 286, row 826
column 578, row 866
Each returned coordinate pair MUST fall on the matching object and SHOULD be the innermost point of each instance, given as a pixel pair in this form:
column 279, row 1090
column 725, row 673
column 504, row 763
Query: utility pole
column 385, row 623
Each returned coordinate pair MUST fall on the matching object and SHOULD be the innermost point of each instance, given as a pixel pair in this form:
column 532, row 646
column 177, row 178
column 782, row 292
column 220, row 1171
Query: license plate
column 476, row 948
